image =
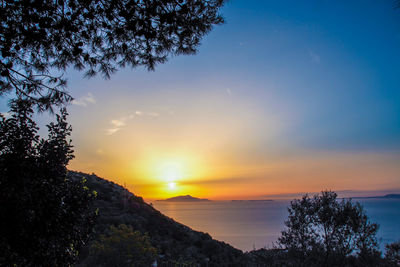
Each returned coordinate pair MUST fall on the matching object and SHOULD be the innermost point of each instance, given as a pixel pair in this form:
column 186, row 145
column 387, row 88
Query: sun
column 172, row 186
column 171, row 172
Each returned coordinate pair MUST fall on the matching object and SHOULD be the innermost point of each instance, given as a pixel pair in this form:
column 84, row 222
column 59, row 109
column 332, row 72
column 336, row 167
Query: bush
column 322, row 231
column 122, row 246
column 392, row 254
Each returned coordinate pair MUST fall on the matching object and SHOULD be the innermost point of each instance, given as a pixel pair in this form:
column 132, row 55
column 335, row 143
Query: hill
column 187, row 198
column 173, row 241
column 392, row 196
column 387, row 196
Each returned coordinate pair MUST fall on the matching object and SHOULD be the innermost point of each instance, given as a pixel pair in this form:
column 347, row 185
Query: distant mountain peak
column 186, row 198
column 392, row 196
column 385, row 196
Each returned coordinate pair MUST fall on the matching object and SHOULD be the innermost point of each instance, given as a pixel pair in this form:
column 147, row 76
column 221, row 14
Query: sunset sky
column 286, row 97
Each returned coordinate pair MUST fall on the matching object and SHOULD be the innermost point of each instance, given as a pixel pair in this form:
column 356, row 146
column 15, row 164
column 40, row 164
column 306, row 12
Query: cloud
column 84, row 101
column 112, row 131
column 315, row 58
column 120, row 123
column 143, row 113
column 229, row 91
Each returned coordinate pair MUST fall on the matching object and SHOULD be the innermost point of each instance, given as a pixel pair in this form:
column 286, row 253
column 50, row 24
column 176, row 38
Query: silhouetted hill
column 252, row 200
column 174, row 241
column 385, row 196
column 187, row 198
column 391, row 196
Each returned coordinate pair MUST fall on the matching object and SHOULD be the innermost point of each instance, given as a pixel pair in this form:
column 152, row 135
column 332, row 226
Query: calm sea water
column 256, row 224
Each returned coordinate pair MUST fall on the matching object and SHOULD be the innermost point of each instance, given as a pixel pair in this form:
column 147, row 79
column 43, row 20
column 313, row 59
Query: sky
column 285, row 97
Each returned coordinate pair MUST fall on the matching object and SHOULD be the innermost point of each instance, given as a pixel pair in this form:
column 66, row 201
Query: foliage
column 321, row 231
column 392, row 254
column 45, row 216
column 39, row 38
column 122, row 246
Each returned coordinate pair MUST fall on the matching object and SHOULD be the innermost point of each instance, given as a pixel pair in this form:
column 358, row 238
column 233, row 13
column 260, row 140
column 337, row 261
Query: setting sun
column 172, row 185
column 171, row 171
column 159, row 174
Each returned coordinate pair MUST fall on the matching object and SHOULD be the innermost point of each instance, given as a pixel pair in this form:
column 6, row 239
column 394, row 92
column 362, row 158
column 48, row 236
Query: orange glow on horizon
column 165, row 175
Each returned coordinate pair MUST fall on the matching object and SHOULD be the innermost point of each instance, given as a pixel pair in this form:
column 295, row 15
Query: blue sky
column 337, row 64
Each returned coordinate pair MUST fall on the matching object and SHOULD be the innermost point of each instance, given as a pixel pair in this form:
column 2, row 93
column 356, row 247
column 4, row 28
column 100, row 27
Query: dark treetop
column 39, row 38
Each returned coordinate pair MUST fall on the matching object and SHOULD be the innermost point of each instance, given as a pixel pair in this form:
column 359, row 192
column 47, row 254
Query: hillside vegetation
column 175, row 243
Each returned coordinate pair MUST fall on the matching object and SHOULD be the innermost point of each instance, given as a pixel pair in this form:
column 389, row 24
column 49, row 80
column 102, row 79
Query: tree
column 45, row 217
column 322, row 231
column 392, row 254
column 39, row 38
column 122, row 246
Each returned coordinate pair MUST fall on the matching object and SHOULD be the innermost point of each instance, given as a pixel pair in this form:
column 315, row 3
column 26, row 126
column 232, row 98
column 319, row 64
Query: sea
column 249, row 225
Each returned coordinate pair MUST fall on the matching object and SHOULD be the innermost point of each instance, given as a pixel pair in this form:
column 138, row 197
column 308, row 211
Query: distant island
column 385, row 196
column 187, row 198
column 252, row 200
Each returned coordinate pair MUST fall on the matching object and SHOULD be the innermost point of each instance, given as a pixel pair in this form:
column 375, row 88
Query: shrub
column 322, row 231
column 392, row 254
column 122, row 246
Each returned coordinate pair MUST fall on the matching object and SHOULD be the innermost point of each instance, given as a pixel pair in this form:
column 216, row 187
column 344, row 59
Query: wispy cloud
column 118, row 124
column 229, row 91
column 84, row 101
column 112, row 131
column 315, row 58
column 144, row 113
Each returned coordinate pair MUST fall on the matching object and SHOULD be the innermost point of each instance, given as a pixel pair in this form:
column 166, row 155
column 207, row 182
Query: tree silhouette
column 39, row 39
column 322, row 231
column 45, row 217
column 392, row 254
